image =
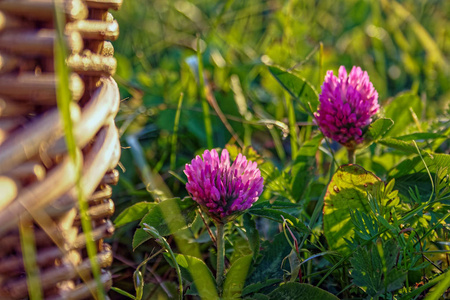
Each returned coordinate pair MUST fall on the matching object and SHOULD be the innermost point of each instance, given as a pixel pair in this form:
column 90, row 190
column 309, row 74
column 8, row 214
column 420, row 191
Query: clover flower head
column 347, row 104
column 221, row 190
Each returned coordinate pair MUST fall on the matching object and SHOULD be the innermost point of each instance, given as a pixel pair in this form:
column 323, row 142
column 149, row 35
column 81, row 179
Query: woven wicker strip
column 37, row 177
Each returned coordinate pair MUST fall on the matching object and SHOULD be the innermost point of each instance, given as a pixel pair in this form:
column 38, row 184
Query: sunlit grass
column 64, row 100
column 28, row 245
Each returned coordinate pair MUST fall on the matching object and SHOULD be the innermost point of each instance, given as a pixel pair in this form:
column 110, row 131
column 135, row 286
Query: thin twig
column 432, row 262
column 160, row 281
column 211, row 235
column 307, row 58
column 212, row 101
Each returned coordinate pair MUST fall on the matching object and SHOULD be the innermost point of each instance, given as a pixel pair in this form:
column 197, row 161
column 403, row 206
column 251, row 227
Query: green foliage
column 374, row 268
column 138, row 281
column 269, row 266
column 377, row 130
column 236, row 276
column 276, row 211
column 302, row 168
column 137, row 276
column 413, row 173
column 366, row 227
column 401, row 109
column 248, row 152
column 196, row 271
column 298, row 88
column 276, row 182
column 404, row 146
column 294, row 290
column 252, row 234
column 294, row 264
column 166, row 223
column 123, row 293
column 133, row 213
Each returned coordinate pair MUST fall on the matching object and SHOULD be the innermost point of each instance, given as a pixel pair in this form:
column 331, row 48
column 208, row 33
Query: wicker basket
column 37, row 178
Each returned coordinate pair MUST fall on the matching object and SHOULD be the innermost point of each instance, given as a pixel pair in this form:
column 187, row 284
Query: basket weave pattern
column 37, row 178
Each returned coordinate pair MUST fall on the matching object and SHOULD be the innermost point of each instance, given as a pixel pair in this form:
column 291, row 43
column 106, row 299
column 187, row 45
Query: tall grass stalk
column 440, row 289
column 28, row 245
column 292, row 126
column 173, row 154
column 64, row 99
column 320, row 65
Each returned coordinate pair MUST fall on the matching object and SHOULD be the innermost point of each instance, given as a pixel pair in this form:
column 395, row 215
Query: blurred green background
column 403, row 45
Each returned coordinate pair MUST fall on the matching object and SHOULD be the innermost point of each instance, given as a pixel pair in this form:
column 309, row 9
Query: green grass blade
column 173, row 153
column 123, row 293
column 278, row 144
column 28, row 245
column 440, row 289
column 321, row 78
column 292, row 126
column 64, row 99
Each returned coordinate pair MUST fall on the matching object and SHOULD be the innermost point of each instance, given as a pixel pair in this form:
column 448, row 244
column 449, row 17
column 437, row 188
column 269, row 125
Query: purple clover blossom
column 347, row 104
column 223, row 191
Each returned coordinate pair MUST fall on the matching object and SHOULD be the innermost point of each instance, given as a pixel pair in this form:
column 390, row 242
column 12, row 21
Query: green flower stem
column 220, row 276
column 351, row 155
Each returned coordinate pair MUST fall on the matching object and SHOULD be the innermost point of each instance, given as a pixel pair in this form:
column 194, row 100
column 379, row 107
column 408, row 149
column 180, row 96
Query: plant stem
column 220, row 256
column 351, row 155
column 292, row 126
column 345, row 274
